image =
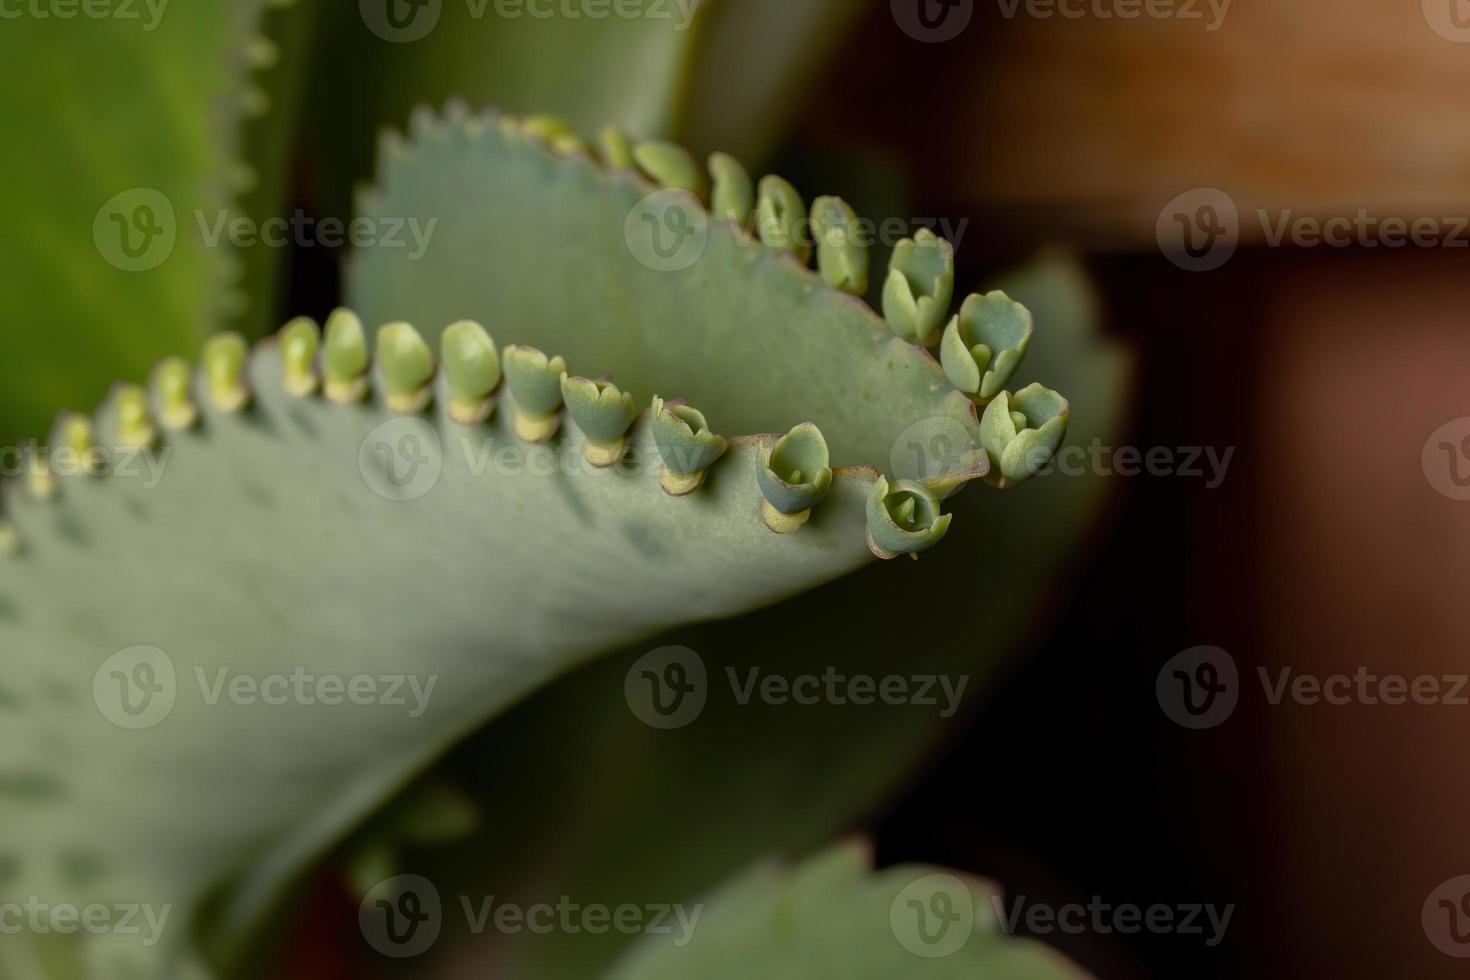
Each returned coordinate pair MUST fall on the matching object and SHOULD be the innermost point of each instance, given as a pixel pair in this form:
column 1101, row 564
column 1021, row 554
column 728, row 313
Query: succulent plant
column 332, row 525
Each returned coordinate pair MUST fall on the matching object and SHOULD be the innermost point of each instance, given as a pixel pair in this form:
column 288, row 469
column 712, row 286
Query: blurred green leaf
column 831, row 918
column 123, row 133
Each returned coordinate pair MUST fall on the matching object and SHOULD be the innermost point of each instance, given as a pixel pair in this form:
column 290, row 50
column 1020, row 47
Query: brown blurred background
column 1326, row 549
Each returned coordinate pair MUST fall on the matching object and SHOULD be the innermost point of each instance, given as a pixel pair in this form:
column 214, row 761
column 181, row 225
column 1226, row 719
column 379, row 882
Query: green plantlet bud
column 173, row 397
column 734, row 195
column 407, row 367
column 919, row 287
column 617, row 149
column 261, row 53
column 779, row 215
column 535, row 389
column 984, row 343
column 903, row 519
column 471, row 371
column 39, row 478
column 372, row 861
column 686, row 445
column 300, row 341
column 793, row 475
column 555, row 132
column 345, row 358
column 74, row 433
column 842, row 257
column 670, row 165
column 435, row 813
column 134, row 427
column 1021, row 432
column 224, row 370
column 603, row 413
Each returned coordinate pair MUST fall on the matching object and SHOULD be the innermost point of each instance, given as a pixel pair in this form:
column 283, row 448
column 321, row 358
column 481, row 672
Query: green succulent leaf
column 780, row 218
column 590, row 833
column 686, row 444
column 984, row 344
column 345, row 357
column 670, row 165
column 108, row 265
column 919, row 287
column 1021, row 432
column 842, row 257
column 617, row 149
column 794, row 476
column 407, row 366
column 832, row 916
column 535, row 385
column 338, row 540
column 904, row 518
column 471, row 370
column 602, row 412
column 753, row 339
column 733, row 197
